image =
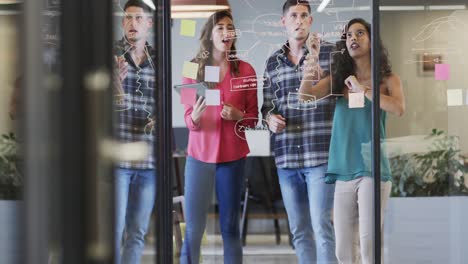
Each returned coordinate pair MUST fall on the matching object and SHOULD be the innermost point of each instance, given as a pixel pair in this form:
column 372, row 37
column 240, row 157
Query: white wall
column 8, row 67
column 426, row 98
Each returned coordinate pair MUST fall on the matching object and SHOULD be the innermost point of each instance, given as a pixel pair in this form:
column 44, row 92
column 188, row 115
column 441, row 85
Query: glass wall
column 427, row 146
column 271, row 154
column 11, row 178
column 134, row 111
column 423, row 163
column 273, row 136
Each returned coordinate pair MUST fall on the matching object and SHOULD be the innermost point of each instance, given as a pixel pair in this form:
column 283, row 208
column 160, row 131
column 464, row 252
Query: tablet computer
column 200, row 87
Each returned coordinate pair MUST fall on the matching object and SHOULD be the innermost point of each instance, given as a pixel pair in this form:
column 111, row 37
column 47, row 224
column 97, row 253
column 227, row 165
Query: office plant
column 440, row 171
column 11, row 180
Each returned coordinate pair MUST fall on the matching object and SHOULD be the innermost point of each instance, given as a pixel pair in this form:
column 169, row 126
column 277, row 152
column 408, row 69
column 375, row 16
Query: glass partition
column 252, row 143
column 427, row 146
column 271, row 154
column 11, row 176
column 134, row 111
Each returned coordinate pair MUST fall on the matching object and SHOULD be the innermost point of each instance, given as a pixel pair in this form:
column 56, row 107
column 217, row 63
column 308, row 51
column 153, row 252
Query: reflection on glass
column 134, row 106
column 349, row 162
column 51, row 56
column 11, row 180
column 426, row 48
column 301, row 126
column 216, row 151
column 11, row 175
column 428, row 146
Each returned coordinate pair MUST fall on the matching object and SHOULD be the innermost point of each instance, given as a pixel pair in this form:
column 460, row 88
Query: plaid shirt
column 306, row 139
column 138, row 105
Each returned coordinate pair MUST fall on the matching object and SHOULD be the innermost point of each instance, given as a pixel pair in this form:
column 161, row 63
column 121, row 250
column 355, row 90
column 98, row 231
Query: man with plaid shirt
column 301, row 127
column 135, row 181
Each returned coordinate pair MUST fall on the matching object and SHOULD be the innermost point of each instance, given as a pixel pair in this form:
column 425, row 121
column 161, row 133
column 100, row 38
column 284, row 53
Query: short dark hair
column 137, row 3
column 290, row 3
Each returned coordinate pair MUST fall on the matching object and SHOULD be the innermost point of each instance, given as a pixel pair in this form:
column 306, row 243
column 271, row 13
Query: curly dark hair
column 343, row 64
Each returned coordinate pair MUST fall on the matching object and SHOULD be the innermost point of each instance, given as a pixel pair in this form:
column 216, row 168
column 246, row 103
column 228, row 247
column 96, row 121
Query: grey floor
column 416, row 230
column 259, row 249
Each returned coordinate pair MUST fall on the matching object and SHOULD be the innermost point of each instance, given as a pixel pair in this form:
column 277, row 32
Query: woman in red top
column 217, row 147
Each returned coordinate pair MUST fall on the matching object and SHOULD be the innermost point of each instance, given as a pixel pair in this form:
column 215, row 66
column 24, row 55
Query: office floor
column 259, row 249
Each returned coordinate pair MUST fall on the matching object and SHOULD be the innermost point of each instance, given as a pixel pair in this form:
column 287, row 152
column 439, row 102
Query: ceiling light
column 197, row 8
column 446, row 7
column 401, row 8
column 322, row 5
column 185, row 15
column 150, row 4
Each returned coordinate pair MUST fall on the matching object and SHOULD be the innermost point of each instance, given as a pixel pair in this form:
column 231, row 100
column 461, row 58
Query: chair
column 262, row 187
column 176, row 157
column 179, row 146
column 178, row 218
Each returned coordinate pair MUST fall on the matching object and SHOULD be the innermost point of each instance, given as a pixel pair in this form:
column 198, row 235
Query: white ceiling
column 422, row 2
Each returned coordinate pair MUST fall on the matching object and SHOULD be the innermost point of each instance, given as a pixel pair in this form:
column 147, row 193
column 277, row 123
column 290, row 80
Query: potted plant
column 440, row 171
column 11, row 182
column 426, row 215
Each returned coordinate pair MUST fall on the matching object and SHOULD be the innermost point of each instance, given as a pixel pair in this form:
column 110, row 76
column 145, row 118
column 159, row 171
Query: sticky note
column 259, row 142
column 442, row 72
column 356, row 100
column 211, row 74
column 212, row 97
column 454, row 97
column 187, row 28
column 188, row 96
column 190, row 70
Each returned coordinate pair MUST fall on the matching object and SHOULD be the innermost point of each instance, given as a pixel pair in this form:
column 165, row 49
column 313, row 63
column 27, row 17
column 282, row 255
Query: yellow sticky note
column 187, row 28
column 190, row 70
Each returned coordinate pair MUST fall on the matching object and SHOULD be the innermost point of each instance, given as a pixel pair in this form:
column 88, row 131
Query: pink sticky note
column 188, row 96
column 442, row 72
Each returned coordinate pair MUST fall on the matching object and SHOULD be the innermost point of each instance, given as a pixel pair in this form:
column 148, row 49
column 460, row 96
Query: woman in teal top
column 349, row 158
column 350, row 148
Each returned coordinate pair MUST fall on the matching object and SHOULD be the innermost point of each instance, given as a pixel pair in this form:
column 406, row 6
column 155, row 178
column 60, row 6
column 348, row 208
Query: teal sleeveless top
column 350, row 146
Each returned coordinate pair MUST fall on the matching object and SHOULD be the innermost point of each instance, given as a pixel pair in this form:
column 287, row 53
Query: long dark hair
column 343, row 64
column 205, row 53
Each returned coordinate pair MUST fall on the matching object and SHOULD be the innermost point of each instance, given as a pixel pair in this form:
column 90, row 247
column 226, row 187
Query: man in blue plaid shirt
column 135, row 180
column 301, row 127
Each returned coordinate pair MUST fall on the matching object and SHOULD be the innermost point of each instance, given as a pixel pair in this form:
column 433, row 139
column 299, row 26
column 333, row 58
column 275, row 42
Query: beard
column 300, row 38
column 133, row 37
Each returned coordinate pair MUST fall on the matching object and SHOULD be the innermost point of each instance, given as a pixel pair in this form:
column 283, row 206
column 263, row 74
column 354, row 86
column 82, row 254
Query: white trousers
column 353, row 217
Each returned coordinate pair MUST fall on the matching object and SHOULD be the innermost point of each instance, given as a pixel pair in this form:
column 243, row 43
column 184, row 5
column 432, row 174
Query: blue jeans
column 309, row 202
column 135, row 192
column 200, row 180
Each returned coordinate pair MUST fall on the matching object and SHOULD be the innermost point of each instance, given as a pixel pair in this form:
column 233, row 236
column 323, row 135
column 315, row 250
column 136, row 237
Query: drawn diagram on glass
column 122, row 100
column 432, row 30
